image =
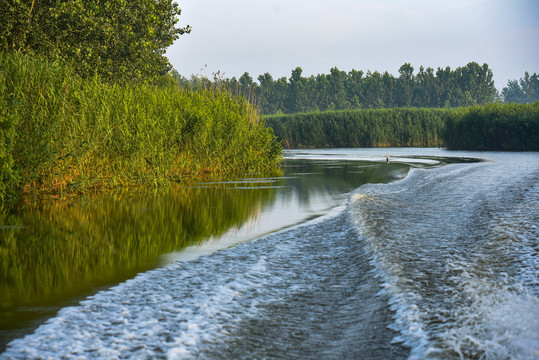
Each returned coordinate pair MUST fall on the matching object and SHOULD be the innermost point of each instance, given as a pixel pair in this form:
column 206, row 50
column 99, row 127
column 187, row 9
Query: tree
column 525, row 91
column 354, row 86
column 391, row 89
column 477, row 80
column 246, row 85
column 425, row 90
column 406, row 81
column 120, row 40
column 322, row 90
column 512, row 93
column 445, row 87
column 530, row 87
column 337, row 80
column 373, row 91
column 297, row 99
column 265, row 95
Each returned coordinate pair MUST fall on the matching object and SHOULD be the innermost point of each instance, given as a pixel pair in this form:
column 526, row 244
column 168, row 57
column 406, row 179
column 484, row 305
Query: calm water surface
column 433, row 255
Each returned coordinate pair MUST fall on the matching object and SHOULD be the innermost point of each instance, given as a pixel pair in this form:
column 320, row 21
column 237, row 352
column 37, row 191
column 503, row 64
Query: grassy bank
column 508, row 127
column 60, row 134
column 361, row 128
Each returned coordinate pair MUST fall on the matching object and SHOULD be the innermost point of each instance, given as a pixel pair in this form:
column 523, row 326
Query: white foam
column 458, row 257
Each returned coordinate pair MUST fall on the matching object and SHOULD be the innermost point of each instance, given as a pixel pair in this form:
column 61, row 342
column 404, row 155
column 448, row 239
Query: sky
column 276, row 36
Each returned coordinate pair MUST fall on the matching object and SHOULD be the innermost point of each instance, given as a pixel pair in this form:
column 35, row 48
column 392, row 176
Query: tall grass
column 62, row 134
column 495, row 127
column 489, row 127
column 8, row 177
column 362, row 128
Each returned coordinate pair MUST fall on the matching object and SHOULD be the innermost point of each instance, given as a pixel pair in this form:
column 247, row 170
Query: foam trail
column 457, row 248
column 302, row 293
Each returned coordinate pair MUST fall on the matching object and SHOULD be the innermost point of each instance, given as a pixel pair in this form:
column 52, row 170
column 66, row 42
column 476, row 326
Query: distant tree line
column 524, row 91
column 340, row 90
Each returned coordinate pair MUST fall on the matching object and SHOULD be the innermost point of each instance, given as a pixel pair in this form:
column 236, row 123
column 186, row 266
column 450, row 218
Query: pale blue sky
column 276, row 36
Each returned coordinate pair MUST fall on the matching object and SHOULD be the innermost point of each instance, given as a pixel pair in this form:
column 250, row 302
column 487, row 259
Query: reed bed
column 60, row 134
column 361, row 128
column 507, row 127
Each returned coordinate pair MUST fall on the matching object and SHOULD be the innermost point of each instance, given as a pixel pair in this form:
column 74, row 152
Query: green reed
column 61, row 134
column 489, row 127
column 362, row 128
column 507, row 127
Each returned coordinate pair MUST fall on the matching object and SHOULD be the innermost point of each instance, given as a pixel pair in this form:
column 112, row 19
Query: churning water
column 457, row 248
column 442, row 264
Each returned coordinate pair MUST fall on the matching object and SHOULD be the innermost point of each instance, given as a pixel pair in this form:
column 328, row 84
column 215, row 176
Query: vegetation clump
column 507, row 127
column 362, row 128
column 121, row 41
column 62, row 134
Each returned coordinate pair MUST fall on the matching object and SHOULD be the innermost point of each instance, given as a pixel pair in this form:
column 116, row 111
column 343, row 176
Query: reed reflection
column 54, row 253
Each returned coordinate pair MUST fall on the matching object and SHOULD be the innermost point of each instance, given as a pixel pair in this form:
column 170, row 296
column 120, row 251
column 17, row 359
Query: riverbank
column 62, row 135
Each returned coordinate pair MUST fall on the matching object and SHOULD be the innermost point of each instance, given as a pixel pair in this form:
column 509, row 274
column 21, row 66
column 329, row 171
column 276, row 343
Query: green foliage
column 73, row 134
column 494, row 127
column 8, row 176
column 122, row 41
column 361, row 128
column 490, row 127
column 524, row 91
column 340, row 90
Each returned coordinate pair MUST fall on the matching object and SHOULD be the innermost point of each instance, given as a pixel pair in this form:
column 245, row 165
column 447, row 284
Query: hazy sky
column 276, row 36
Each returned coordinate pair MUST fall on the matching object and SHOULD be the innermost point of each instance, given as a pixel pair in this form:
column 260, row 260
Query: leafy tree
column 337, row 80
column 525, row 91
column 354, row 86
column 265, row 94
column 390, row 84
column 373, row 90
column 297, row 97
column 119, row 40
column 477, row 81
column 322, row 90
column 406, row 87
column 246, row 85
column 425, row 90
column 513, row 93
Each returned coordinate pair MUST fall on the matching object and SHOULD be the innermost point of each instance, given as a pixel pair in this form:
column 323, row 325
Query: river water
column 434, row 255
